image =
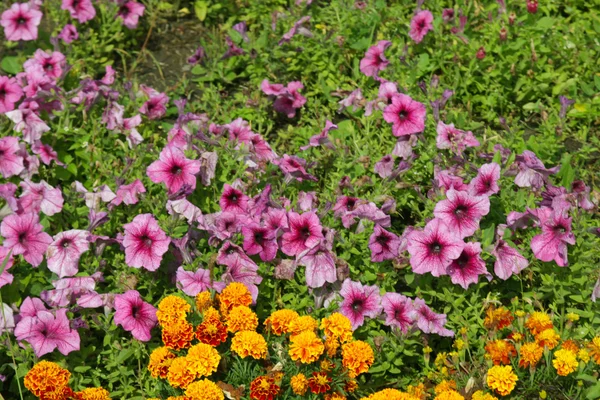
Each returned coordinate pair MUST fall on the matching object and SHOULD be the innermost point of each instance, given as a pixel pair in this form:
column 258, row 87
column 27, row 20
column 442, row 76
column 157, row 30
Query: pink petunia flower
column 192, row 283
column 449, row 137
column 508, row 260
column 7, row 192
column 81, row 10
column 68, row 34
column 239, row 130
column 384, row 245
column 447, row 180
column 420, row 25
column 185, row 209
column 128, row 194
column 130, row 12
column 40, row 196
column 47, row 332
column 240, row 268
column 462, row 211
column 156, row 106
column 354, row 99
column 406, row 115
column 260, row 240
column 294, row 168
column 321, row 139
column 385, row 166
column 10, row 162
column 292, row 100
column 29, row 123
column 52, row 64
column 174, row 169
column 145, row 243
column 359, row 301
column 399, row 311
column 305, row 233
column 374, row 59
column 486, row 181
column 10, row 93
column 532, row 172
column 64, row 252
column 551, row 244
column 434, row 248
column 70, row 291
column 233, row 200
column 6, row 277
column 21, row 22
column 296, row 28
column 466, row 269
column 428, row 321
column 46, row 153
column 25, row 235
column 320, row 265
column 135, row 315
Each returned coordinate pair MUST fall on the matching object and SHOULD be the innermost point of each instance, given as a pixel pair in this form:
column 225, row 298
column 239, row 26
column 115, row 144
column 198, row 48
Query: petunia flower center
column 22, row 237
column 403, row 115
column 462, row 261
column 560, row 229
column 435, row 247
column 146, row 240
column 134, row 311
column 65, row 243
column 382, row 240
column 350, row 204
column 357, row 305
column 398, row 315
column 176, row 170
column 259, row 237
column 21, row 20
column 461, row 211
column 233, row 198
column 305, row 232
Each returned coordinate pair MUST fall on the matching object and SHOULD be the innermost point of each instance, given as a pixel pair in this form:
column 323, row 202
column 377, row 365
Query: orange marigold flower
column 235, row 294
column 263, row 388
column 241, row 318
column 419, row 391
column 203, row 359
column 515, row 336
column 203, row 301
column 530, row 354
column 178, row 336
column 500, row 351
column 335, row 396
column 357, row 357
column 565, row 362
column 304, row 323
column 172, row 310
column 548, row 338
column 445, row 386
column 538, row 322
column 299, row 384
column 279, row 321
column 204, row 390
column 502, row 379
column 45, row 377
column 337, row 326
column 390, row 394
column 594, row 349
column 331, row 346
column 570, row 345
column 497, row 318
column 306, row 347
column 319, row 382
column 180, row 374
column 160, row 360
column 249, row 343
column 326, row 365
column 60, row 393
column 211, row 332
column 93, row 394
column 449, row 395
column 210, row 315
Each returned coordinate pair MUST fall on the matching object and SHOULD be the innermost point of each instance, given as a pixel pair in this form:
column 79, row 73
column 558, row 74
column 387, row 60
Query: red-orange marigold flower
column 263, row 388
column 178, row 336
column 319, row 382
column 45, row 377
column 497, row 318
column 500, row 351
column 212, row 332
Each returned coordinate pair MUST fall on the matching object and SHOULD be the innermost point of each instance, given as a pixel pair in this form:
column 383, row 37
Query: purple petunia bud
column 480, row 53
column 532, row 6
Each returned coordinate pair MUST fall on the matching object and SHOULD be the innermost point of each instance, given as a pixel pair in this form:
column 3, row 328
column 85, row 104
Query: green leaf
column 11, row 65
column 593, row 393
column 201, row 9
column 597, row 81
column 545, row 23
column 567, row 173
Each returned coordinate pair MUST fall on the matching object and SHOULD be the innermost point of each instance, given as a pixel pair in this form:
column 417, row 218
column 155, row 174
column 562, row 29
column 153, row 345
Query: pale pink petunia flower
column 447, row 180
column 486, row 181
column 233, row 200
column 532, row 172
column 130, row 12
column 7, row 319
column 31, row 306
column 21, row 22
column 551, row 244
column 47, row 332
column 68, row 34
column 128, row 194
column 374, row 59
column 384, row 245
column 260, row 240
column 466, row 269
column 239, row 130
column 29, row 123
column 6, row 277
column 406, row 115
column 24, row 235
column 320, row 265
column 429, row 321
column 174, row 169
column 305, row 233
column 192, row 283
column 7, row 192
column 10, row 93
column 92, row 199
column 434, row 248
column 508, row 260
column 385, row 166
column 294, row 168
column 449, row 137
column 307, row 201
column 420, row 25
column 359, row 301
column 76, row 290
column 10, row 162
column 462, row 211
column 64, row 252
column 52, row 64
column 261, row 148
column 81, row 10
column 40, row 196
column 135, row 315
column 145, row 243
column 185, row 209
column 399, row 311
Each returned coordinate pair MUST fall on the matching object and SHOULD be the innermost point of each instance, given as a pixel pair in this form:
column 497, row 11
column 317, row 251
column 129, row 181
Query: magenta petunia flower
column 399, row 311
column 307, row 201
column 40, row 196
column 428, row 321
column 81, row 10
column 406, row 115
column 434, row 248
column 462, row 211
column 420, row 25
column 192, row 283
column 174, row 169
column 233, row 200
column 6, row 277
column 52, row 64
column 359, row 301
column 292, row 100
column 68, row 34
column 130, row 12
column 486, row 181
column 305, row 233
column 46, row 153
column 135, row 315
column 508, row 260
column 25, row 235
column 384, row 245
column 145, row 243
column 156, row 106
column 276, row 219
column 21, row 22
column 128, row 194
column 10, row 93
column 46, row 332
column 10, row 162
column 64, row 252
column 447, row 180
column 320, row 265
column 551, row 244
column 239, row 130
column 260, row 240
column 449, row 137
column 374, row 59
column 466, row 269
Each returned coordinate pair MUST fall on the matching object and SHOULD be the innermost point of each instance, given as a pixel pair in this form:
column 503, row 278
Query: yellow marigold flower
column 241, row 318
column 335, row 396
column 572, row 317
column 440, row 359
column 306, row 347
column 449, row 395
column 326, row 365
column 548, row 338
column 204, row 390
column 211, row 314
column 480, row 395
column 565, row 362
column 46, row 376
column 178, row 335
column 543, row 394
column 445, row 386
column 427, row 350
column 583, row 355
column 203, row 301
column 419, row 391
column 570, row 345
column 304, row 323
column 337, row 326
column 459, row 344
column 502, row 379
column 235, row 294
column 180, row 375
column 93, row 394
column 177, row 398
column 160, row 360
column 538, row 322
column 390, row 394
column 357, row 357
column 249, row 343
column 594, row 349
column 463, row 330
column 299, row 384
column 516, row 336
column 172, row 310
column 279, row 321
column 530, row 354
column 497, row 318
column 203, row 359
